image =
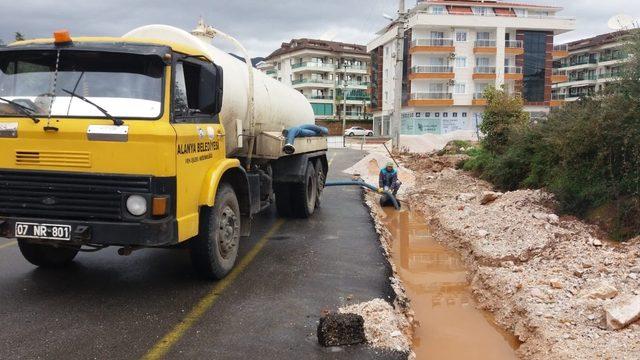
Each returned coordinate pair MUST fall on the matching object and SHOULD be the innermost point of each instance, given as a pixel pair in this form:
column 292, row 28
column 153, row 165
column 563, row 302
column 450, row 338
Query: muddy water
column 435, row 279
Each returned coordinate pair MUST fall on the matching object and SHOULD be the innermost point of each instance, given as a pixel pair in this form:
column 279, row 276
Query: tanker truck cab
column 118, row 142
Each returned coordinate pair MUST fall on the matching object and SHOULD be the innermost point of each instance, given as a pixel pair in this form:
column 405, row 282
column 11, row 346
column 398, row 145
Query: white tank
column 277, row 106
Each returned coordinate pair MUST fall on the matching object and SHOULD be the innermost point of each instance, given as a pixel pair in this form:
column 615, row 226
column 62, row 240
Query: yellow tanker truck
column 153, row 139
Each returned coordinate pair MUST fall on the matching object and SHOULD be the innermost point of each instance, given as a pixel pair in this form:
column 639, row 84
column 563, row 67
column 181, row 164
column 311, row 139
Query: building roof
column 598, row 40
column 489, row 3
column 322, row 45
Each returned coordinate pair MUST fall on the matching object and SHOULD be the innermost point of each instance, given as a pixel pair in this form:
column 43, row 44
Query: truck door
column 197, row 99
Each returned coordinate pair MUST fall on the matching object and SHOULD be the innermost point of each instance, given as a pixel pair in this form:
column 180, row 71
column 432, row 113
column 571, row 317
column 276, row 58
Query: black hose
column 364, row 184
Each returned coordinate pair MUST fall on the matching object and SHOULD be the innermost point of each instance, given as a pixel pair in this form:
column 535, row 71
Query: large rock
column 622, row 312
column 489, row 196
column 602, row 291
column 341, row 329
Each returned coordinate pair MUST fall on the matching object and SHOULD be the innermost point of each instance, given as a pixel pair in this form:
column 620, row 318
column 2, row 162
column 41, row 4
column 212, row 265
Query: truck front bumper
column 147, row 233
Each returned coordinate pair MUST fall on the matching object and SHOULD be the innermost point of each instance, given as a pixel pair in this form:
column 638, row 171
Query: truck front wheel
column 47, row 256
column 215, row 249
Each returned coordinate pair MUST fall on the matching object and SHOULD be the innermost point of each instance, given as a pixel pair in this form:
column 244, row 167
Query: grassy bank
column 587, row 153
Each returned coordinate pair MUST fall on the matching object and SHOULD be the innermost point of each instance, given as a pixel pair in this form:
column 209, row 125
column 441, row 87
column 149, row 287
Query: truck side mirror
column 211, row 89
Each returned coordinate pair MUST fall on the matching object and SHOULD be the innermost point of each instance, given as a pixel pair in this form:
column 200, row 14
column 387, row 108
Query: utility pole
column 396, row 119
column 344, row 97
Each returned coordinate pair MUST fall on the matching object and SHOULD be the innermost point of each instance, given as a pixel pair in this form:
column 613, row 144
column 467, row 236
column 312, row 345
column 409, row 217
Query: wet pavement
column 436, row 282
column 111, row 307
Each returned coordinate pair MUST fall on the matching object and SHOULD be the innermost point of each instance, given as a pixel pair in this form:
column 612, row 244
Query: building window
column 445, row 114
column 427, row 114
column 477, row 10
column 460, row 88
column 461, row 36
column 464, row 114
column 455, row 115
column 418, row 114
column 322, row 109
column 461, row 62
column 279, row 66
column 437, row 10
column 437, row 114
column 535, row 49
column 483, row 35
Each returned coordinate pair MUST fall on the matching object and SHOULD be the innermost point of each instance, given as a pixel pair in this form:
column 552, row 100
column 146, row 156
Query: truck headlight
column 136, row 205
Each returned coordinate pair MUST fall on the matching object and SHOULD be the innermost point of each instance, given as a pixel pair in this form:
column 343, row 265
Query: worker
column 388, row 179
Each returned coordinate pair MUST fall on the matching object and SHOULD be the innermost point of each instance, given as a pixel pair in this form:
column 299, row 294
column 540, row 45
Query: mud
column 436, row 282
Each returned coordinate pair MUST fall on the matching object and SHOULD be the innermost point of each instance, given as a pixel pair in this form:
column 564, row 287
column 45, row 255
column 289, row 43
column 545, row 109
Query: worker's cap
column 389, row 164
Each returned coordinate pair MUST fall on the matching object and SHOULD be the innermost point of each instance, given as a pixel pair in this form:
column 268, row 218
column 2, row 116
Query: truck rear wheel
column 305, row 194
column 321, row 178
column 215, row 250
column 47, row 256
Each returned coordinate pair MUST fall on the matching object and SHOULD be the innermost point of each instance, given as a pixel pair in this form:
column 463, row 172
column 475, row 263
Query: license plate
column 43, row 231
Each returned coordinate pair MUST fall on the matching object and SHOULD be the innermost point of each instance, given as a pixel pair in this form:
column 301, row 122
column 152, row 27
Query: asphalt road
column 151, row 304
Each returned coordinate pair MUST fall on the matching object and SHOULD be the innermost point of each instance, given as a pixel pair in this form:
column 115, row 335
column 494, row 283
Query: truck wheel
column 47, row 256
column 283, row 200
column 304, row 195
column 215, row 249
column 320, row 179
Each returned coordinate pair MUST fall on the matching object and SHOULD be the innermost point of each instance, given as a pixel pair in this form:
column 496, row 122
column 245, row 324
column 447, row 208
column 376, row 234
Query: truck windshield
column 125, row 85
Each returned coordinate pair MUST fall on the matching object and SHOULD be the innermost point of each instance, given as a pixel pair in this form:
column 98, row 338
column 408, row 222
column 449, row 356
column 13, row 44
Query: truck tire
column 305, row 194
column 47, row 256
column 215, row 250
column 321, row 178
column 283, row 200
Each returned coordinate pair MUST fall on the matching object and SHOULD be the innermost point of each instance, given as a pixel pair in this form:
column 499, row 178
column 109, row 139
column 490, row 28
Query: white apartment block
column 323, row 71
column 453, row 51
column 590, row 64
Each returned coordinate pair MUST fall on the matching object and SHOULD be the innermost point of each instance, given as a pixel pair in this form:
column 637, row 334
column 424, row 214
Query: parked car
column 358, row 131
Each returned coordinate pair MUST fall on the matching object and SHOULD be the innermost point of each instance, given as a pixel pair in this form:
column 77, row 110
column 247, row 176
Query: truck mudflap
column 147, row 233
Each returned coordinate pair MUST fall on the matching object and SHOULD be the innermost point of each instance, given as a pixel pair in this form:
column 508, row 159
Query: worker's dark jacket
column 388, row 178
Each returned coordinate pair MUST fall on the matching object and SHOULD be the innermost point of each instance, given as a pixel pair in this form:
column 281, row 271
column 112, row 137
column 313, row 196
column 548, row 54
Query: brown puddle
column 435, row 280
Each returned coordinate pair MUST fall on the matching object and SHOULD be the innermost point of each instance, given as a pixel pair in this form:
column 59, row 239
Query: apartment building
column 330, row 74
column 453, row 50
column 590, row 64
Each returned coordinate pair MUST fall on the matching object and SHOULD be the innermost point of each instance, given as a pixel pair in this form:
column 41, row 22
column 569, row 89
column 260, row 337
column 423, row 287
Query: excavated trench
column 435, row 279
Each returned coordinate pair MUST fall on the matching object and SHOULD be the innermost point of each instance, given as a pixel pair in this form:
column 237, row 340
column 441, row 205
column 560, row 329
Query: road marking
column 332, row 157
column 161, row 348
column 8, row 245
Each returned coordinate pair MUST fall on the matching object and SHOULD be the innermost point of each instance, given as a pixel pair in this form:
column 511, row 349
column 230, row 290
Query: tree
column 502, row 116
column 19, row 36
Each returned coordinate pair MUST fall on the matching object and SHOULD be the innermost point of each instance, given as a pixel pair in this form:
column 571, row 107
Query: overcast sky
column 262, row 25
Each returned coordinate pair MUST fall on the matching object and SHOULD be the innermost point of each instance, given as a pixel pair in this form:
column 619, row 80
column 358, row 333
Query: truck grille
column 67, row 196
column 73, row 159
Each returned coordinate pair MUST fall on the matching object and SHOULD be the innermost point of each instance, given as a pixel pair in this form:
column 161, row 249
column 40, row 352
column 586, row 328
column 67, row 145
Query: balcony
column 557, row 100
column 560, row 51
column 272, row 72
column 360, row 69
column 432, row 72
column 431, row 99
column 479, row 99
column 513, row 73
column 485, row 47
column 582, row 77
column 433, row 45
column 352, row 84
column 610, row 75
column 319, row 97
column 484, row 73
column 514, row 47
column 613, row 57
column 559, row 76
column 303, row 66
column 300, row 83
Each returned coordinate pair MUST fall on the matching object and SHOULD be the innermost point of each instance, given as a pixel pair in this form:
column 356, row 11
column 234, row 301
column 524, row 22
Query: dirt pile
column 550, row 280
